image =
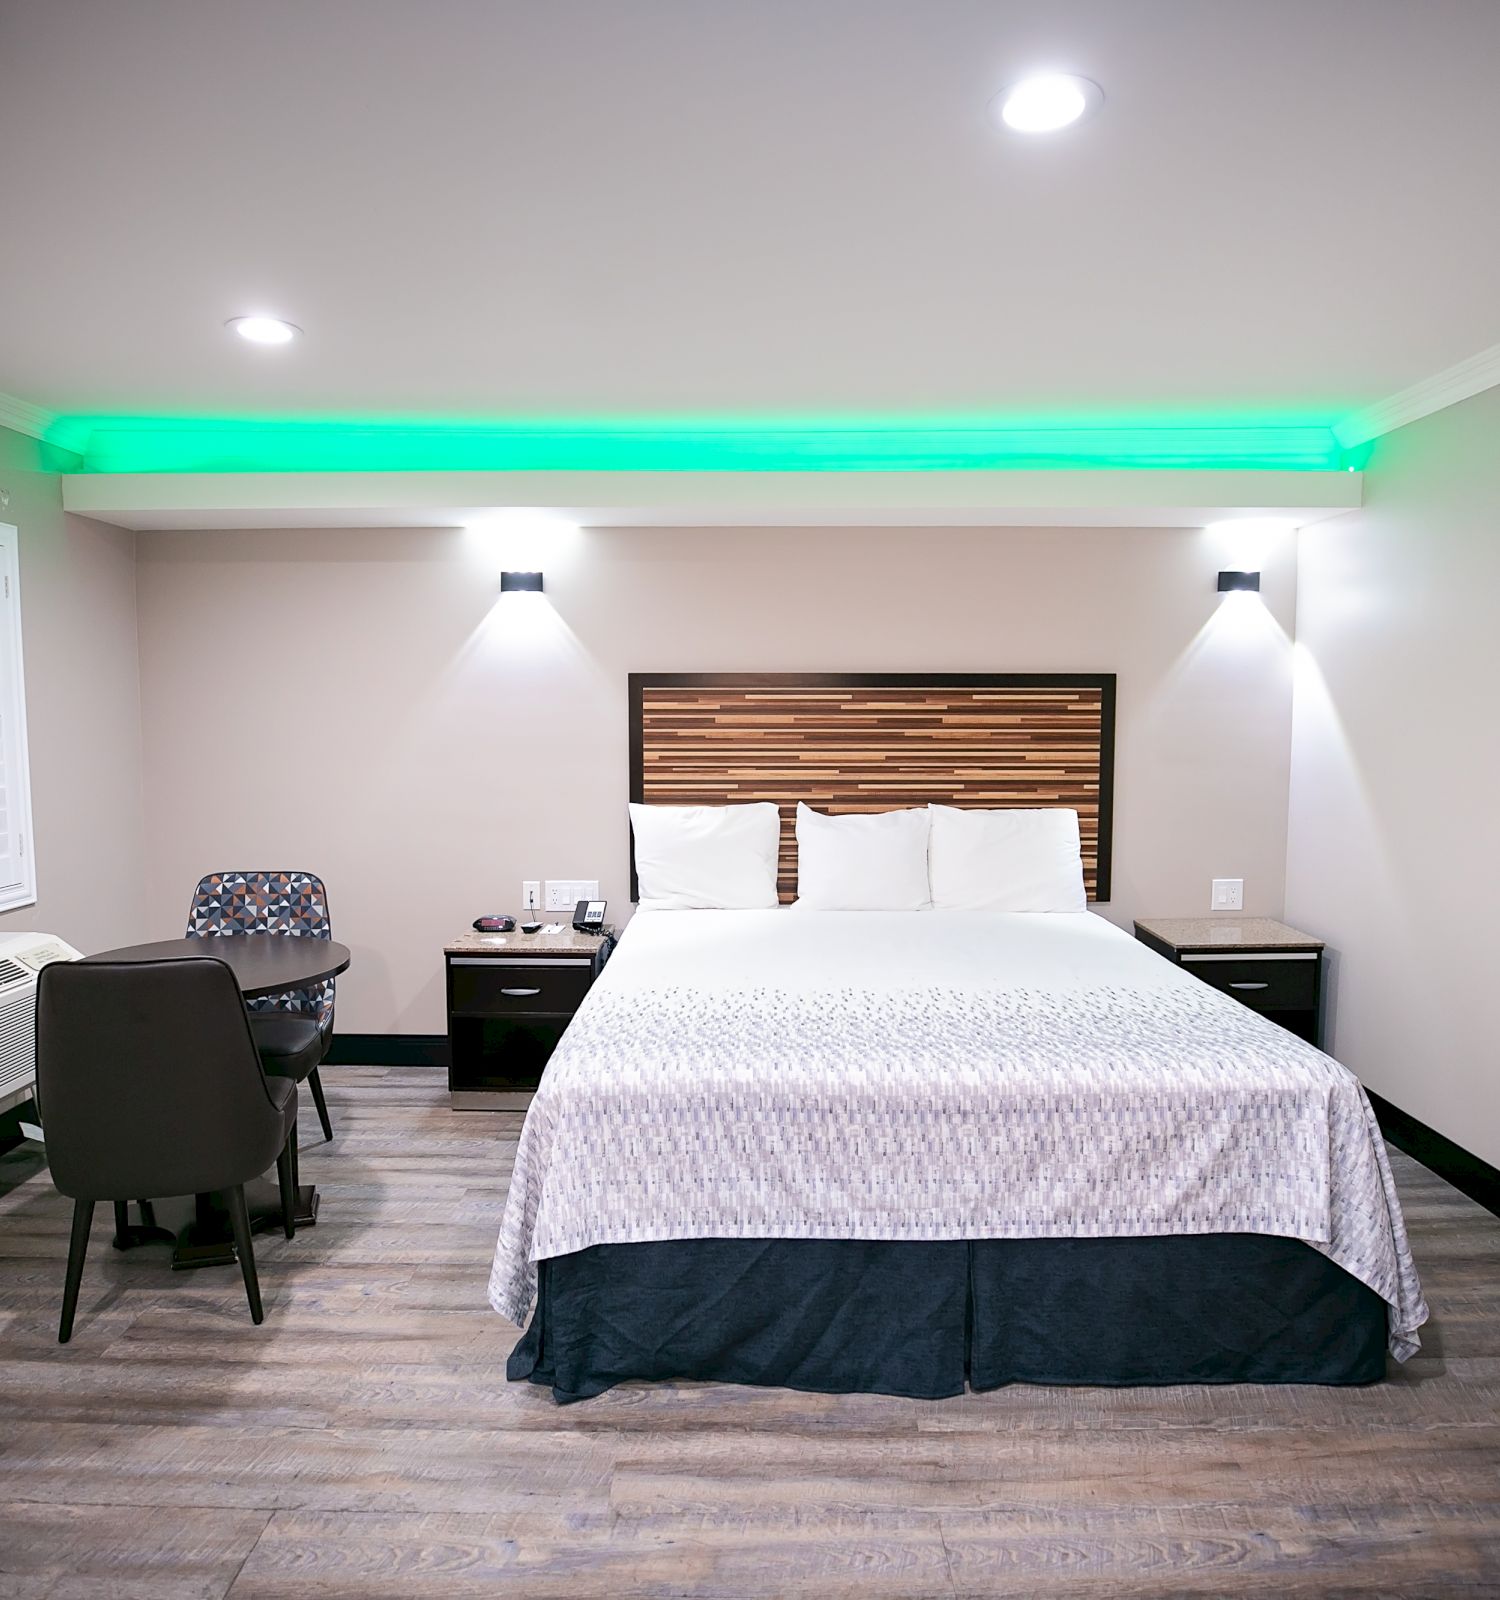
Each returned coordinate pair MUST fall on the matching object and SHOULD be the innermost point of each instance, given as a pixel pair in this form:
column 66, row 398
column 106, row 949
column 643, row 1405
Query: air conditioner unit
column 22, row 956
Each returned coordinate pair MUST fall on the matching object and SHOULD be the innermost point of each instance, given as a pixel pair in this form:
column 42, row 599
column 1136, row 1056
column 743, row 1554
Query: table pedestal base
column 208, row 1240
column 136, row 1233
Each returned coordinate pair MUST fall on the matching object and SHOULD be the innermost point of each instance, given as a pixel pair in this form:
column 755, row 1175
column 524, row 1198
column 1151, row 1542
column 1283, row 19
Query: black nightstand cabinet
column 509, row 999
column 1263, row 964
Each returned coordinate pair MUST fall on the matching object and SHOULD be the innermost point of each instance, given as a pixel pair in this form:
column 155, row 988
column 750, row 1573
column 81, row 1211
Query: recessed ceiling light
column 1047, row 102
column 264, row 330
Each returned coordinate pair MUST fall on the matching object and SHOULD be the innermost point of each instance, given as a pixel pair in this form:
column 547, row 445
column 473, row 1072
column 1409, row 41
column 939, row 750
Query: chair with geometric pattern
column 290, row 903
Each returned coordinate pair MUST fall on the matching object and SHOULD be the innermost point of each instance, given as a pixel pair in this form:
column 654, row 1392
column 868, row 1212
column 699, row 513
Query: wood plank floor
column 364, row 1442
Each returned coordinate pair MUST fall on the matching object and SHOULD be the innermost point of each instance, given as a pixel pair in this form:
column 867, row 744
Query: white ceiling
column 795, row 207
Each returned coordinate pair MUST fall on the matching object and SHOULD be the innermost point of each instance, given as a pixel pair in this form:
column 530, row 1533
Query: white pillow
column 718, row 858
column 1006, row 860
column 862, row 863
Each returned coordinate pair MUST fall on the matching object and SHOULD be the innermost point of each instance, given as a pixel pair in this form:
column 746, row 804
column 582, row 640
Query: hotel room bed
column 906, row 1151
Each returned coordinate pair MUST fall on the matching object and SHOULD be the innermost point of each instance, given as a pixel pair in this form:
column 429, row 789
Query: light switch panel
column 565, row 893
column 1228, row 895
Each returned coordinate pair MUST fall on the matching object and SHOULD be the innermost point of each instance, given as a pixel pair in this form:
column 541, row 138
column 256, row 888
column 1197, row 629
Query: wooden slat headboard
column 876, row 742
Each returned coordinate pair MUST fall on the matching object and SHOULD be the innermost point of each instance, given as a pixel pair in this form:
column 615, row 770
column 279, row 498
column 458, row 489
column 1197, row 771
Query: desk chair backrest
column 148, row 1079
column 293, row 903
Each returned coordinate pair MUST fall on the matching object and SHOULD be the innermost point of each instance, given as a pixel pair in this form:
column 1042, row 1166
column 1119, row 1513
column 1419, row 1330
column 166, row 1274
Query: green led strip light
column 143, row 445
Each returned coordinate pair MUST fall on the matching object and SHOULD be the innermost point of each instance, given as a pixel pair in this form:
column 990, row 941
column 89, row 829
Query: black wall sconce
column 1228, row 582
column 531, row 583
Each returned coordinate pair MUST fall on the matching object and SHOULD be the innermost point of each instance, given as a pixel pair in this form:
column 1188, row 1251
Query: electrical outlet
column 565, row 893
column 531, row 893
column 1228, row 895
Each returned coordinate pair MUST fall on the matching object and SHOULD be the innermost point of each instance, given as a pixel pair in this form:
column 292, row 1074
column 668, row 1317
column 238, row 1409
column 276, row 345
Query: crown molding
column 1442, row 389
column 1446, row 388
column 23, row 417
column 36, row 422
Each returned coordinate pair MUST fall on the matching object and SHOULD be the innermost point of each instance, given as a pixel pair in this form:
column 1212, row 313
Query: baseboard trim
column 389, row 1050
column 1467, row 1172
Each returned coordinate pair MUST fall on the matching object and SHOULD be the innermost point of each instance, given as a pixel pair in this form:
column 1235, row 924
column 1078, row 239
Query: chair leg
column 83, row 1220
column 122, row 1225
column 315, row 1083
column 288, row 1186
column 296, row 1157
column 239, row 1217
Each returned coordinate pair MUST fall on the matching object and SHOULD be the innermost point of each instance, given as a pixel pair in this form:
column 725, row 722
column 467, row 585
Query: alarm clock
column 494, row 924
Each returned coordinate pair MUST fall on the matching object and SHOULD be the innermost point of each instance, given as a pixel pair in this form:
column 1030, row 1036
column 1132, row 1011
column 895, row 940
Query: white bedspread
column 936, row 1075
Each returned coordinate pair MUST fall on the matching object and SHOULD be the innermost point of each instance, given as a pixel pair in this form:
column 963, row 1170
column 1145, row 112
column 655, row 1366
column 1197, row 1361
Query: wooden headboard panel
column 878, row 741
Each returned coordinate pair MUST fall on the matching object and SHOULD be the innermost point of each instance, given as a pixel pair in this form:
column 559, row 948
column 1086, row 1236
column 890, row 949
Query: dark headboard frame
column 1094, row 700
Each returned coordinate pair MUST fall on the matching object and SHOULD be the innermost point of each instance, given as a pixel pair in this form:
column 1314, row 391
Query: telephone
column 588, row 916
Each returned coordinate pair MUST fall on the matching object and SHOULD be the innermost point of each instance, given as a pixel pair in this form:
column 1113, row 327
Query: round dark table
column 262, row 963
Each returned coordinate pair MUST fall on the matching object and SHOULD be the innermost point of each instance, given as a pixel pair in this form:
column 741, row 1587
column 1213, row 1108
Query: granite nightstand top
column 566, row 943
column 1226, row 933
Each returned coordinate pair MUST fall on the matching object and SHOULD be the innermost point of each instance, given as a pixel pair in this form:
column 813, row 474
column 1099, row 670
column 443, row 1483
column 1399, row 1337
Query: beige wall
column 364, row 704
column 1396, row 769
column 82, row 709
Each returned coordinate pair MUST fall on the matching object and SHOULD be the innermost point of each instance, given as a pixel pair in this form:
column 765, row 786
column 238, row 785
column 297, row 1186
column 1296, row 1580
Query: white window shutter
column 17, row 859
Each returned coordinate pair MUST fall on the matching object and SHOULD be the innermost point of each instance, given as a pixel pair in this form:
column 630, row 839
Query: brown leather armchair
column 148, row 1082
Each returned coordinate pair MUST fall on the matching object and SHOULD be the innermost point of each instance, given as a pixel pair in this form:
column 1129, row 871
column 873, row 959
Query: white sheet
column 911, row 1075
column 890, row 951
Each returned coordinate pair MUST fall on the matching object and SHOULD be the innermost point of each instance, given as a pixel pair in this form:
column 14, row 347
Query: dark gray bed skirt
column 926, row 1319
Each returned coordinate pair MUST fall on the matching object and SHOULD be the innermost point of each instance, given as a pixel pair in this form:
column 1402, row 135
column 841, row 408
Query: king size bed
column 912, row 1149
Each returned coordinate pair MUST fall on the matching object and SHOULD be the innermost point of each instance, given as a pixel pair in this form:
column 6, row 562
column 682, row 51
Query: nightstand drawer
column 1268, row 983
column 486, row 986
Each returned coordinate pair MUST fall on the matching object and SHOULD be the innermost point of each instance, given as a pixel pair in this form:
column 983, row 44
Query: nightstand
column 1262, row 963
column 510, row 995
